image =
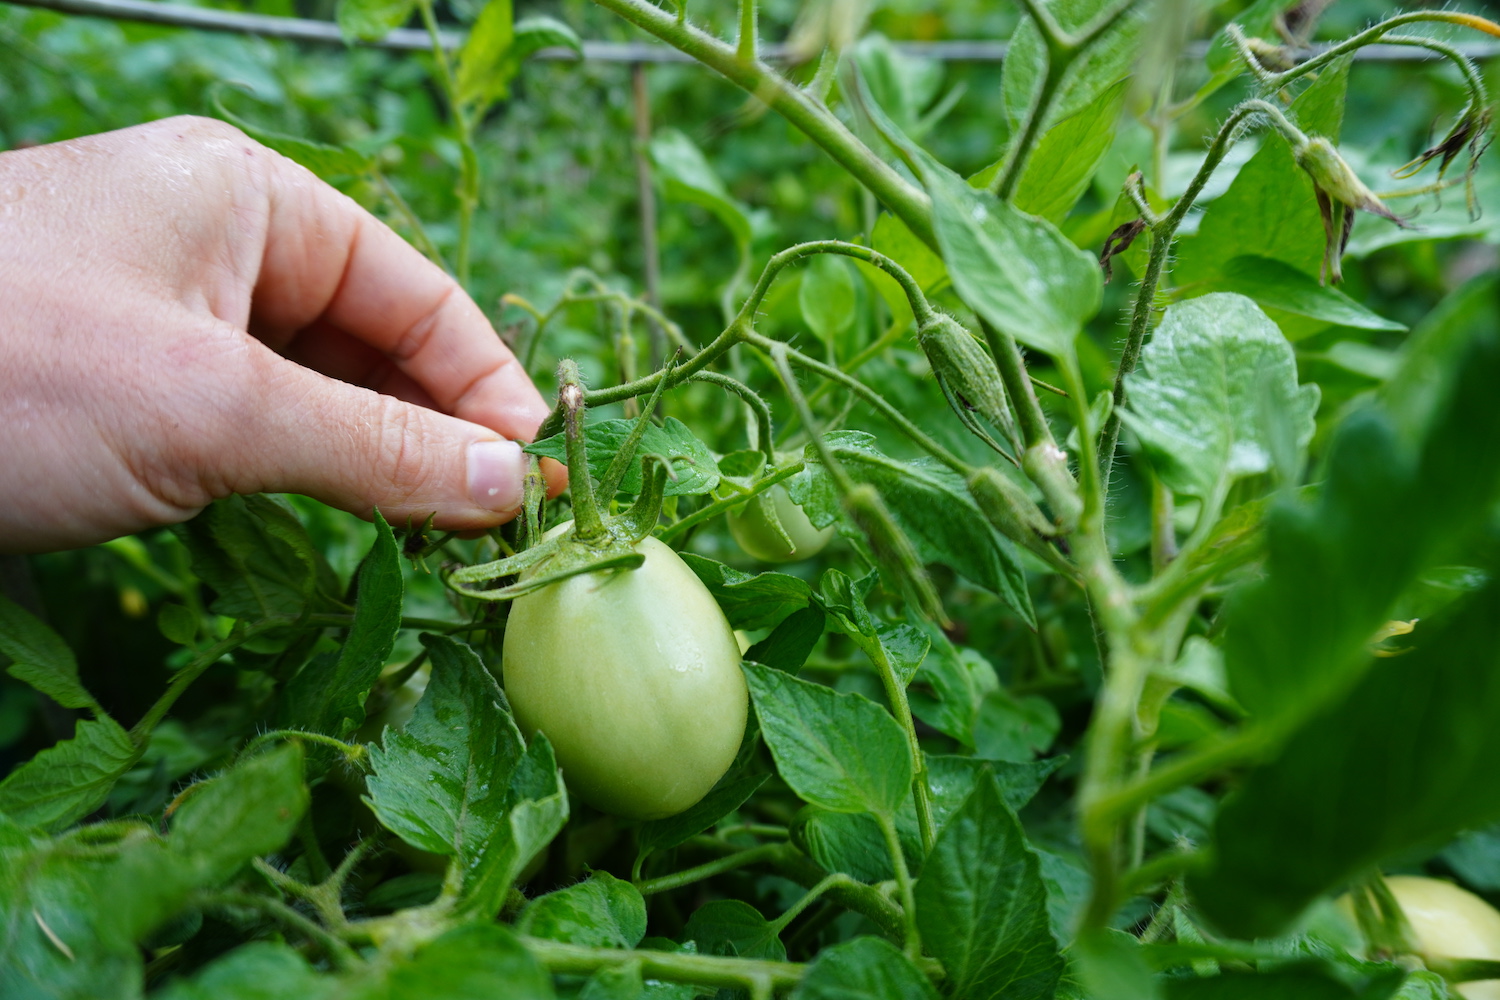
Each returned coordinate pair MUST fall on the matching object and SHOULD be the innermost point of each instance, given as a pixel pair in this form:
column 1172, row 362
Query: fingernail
column 495, row 473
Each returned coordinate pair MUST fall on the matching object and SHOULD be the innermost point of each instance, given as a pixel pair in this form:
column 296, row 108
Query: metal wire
column 411, row 39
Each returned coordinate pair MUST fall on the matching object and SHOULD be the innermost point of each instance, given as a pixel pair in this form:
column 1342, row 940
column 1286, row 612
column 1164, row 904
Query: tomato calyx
column 595, row 541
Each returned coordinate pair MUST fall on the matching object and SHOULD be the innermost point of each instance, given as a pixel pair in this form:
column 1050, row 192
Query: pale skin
column 187, row 314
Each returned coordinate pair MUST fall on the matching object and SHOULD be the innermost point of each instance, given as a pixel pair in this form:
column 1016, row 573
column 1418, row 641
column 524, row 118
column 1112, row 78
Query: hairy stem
column 1162, row 235
column 676, row 967
column 801, row 109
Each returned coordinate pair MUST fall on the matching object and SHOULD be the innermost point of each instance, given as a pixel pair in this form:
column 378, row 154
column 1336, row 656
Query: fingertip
column 496, row 470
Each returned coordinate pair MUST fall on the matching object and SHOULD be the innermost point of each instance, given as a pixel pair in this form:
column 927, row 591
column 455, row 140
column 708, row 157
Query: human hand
column 185, row 314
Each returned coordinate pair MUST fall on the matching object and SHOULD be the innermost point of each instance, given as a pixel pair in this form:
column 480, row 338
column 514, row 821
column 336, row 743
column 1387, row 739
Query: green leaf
column 1110, row 966
column 333, row 700
column 761, row 600
column 485, row 65
column 826, row 296
column 467, row 963
column 1297, row 639
column 603, row 912
column 692, row 463
column 178, row 624
column 249, row 810
column 1018, row 272
column 322, row 159
column 66, row 782
column 902, row 84
column 1412, row 755
column 1063, row 163
column 905, row 646
column 687, row 176
column 948, row 689
column 1276, row 285
column 791, row 642
column 735, row 928
column 40, row 658
column 538, row 813
column 929, row 504
column 1289, row 984
column 844, row 601
column 851, row 843
column 372, row 20
column 1270, row 209
column 257, row 557
column 60, row 942
column 441, row 784
column 1432, row 355
column 982, row 907
column 532, row 34
column 952, row 779
column 839, row 751
column 1211, row 381
column 260, row 970
column 865, row 968
column 1104, row 63
column 895, row 240
column 1014, row 729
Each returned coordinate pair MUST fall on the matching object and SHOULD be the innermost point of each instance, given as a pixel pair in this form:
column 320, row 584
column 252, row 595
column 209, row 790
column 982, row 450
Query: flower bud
column 1336, row 178
column 1340, row 192
column 967, row 373
column 1006, row 506
column 893, row 550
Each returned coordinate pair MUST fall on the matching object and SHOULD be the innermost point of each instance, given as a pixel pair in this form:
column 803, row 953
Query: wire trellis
column 411, row 39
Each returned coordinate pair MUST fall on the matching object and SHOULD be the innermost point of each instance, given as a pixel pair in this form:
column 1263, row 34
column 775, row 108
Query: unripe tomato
column 760, row 540
column 634, row 676
column 1449, row 922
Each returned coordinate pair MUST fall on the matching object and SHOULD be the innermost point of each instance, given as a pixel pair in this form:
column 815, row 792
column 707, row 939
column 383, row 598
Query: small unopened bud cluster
column 966, row 373
column 1005, row 505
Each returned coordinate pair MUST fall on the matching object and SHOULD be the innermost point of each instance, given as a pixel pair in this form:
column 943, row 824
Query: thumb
column 356, row 449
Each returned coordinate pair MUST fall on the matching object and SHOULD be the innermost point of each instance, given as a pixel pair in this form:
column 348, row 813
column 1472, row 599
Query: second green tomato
column 756, row 533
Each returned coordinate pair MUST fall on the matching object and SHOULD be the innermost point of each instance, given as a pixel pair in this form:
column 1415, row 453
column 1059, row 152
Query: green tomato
column 634, row 676
column 1448, row 922
column 753, row 530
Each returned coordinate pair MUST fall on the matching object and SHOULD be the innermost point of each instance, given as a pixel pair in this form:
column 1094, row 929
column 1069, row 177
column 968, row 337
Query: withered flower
column 1472, row 130
column 1340, row 194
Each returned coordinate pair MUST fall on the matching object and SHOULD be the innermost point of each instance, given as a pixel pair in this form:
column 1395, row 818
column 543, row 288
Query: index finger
column 329, row 261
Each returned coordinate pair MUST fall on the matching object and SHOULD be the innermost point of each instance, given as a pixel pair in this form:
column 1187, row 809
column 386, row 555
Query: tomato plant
column 1145, row 365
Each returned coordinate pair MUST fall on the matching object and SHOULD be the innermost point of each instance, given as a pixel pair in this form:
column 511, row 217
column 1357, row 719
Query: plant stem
column 677, row 967
column 751, row 398
column 801, row 109
column 813, row 894
column 1063, row 49
column 903, row 884
column 718, row 507
column 745, row 47
column 718, row 866
column 1162, row 235
column 877, row 401
column 895, row 693
column 352, row 752
column 337, row 951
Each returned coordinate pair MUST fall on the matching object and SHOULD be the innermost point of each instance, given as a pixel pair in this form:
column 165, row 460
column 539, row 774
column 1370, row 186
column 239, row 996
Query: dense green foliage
column 1162, row 607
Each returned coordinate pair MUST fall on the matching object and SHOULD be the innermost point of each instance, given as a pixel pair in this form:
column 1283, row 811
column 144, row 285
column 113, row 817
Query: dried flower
column 1340, row 193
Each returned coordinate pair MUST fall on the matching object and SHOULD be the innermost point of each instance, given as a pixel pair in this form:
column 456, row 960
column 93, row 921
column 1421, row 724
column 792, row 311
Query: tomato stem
column 588, row 525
